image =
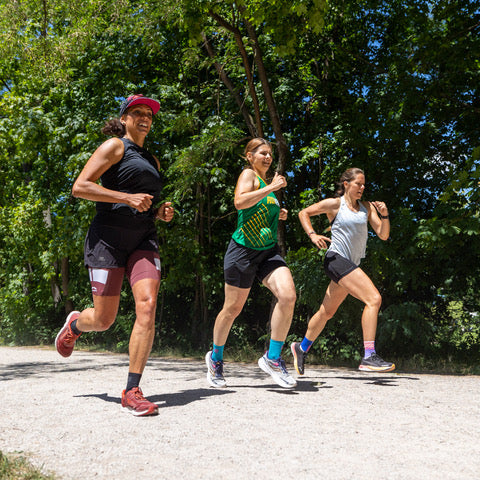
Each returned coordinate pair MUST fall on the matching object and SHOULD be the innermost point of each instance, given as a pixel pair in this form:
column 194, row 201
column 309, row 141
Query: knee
column 375, row 301
column 104, row 323
column 146, row 307
column 288, row 297
column 231, row 312
column 326, row 313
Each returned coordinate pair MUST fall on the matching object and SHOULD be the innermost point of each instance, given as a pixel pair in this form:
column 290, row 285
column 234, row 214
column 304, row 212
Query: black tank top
column 136, row 172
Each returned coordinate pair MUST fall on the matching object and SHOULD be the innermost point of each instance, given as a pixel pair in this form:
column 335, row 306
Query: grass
column 417, row 363
column 440, row 366
column 17, row 467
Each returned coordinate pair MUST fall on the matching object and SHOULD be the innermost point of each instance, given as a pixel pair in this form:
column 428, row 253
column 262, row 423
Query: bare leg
column 101, row 316
column 359, row 285
column 280, row 283
column 235, row 299
column 145, row 293
column 334, row 296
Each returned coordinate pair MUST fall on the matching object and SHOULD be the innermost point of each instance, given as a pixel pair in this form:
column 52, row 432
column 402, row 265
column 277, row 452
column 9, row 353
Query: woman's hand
column 381, row 208
column 319, row 240
column 165, row 212
column 140, row 201
column 278, row 182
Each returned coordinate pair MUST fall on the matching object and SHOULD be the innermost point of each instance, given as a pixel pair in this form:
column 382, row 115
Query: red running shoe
column 66, row 339
column 137, row 403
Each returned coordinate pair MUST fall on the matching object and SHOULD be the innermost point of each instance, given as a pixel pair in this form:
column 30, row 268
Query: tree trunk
column 277, row 127
column 234, row 91
column 237, row 34
column 65, row 272
column 199, row 322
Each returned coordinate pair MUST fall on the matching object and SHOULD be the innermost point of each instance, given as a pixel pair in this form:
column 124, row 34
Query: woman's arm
column 247, row 193
column 328, row 206
column 378, row 219
column 86, row 186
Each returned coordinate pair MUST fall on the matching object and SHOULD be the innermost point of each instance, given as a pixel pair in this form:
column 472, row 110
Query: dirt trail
column 337, row 424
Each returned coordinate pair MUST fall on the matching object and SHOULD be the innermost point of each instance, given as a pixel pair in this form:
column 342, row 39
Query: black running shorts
column 112, row 238
column 336, row 267
column 117, row 245
column 242, row 264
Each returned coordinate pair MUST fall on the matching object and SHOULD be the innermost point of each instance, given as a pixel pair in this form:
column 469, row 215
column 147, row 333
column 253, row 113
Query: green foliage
column 390, row 87
column 463, row 327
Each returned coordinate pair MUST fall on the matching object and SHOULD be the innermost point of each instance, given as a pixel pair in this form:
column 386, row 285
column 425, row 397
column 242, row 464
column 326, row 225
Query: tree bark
column 272, row 108
column 267, row 91
column 65, row 272
column 234, row 91
column 276, row 125
column 237, row 34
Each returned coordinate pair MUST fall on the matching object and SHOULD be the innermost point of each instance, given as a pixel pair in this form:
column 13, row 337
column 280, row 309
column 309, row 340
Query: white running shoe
column 215, row 372
column 278, row 371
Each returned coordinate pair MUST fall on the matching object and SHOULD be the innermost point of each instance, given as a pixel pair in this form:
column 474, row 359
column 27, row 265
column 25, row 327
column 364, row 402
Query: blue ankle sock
column 369, row 347
column 275, row 349
column 306, row 344
column 217, row 353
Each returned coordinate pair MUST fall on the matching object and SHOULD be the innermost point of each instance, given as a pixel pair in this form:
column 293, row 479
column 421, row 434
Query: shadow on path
column 179, row 399
column 385, row 381
column 42, row 369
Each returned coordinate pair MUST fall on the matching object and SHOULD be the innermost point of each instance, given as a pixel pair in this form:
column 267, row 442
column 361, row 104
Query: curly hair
column 114, row 127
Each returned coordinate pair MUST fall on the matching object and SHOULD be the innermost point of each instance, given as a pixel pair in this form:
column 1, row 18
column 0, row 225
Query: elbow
column 303, row 216
column 76, row 190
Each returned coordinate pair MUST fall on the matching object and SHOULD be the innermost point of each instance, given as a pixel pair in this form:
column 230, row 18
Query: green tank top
column 257, row 225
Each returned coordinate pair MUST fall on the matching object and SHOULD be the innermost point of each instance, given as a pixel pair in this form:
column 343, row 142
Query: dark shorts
column 242, row 264
column 119, row 244
column 336, row 267
column 141, row 264
column 111, row 239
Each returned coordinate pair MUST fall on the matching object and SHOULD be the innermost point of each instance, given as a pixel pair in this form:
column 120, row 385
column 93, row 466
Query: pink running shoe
column 66, row 339
column 137, row 403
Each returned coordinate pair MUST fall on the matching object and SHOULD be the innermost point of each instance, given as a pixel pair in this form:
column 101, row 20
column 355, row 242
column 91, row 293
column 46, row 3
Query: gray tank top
column 349, row 232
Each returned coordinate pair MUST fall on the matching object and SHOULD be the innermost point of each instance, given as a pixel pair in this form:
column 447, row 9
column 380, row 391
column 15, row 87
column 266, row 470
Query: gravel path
column 65, row 415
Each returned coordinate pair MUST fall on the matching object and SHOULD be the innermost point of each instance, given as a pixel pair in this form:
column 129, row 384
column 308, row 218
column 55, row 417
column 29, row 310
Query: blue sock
column 217, row 353
column 306, row 344
column 275, row 349
column 369, row 347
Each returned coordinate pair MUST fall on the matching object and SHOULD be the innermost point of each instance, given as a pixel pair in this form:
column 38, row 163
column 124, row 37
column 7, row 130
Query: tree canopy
column 390, row 87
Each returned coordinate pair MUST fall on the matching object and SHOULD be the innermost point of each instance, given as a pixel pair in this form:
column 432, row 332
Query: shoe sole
column 210, row 380
column 295, row 361
column 145, row 413
column 366, row 368
column 278, row 380
column 61, row 330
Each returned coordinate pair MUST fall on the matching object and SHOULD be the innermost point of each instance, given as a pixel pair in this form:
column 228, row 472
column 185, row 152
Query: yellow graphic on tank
column 256, row 229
